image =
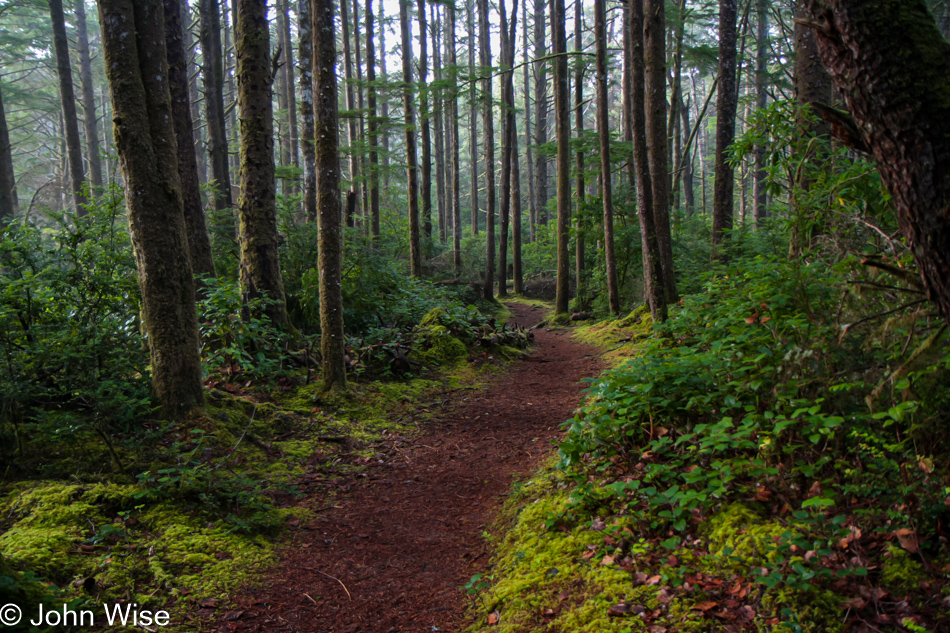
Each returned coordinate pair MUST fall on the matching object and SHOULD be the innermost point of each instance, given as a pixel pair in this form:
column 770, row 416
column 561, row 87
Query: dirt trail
column 393, row 553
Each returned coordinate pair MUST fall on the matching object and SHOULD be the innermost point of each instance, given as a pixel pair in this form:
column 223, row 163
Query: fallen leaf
column 705, row 606
column 908, row 539
column 232, row 615
column 494, row 618
column 608, row 560
column 208, row 604
column 666, row 594
column 654, row 580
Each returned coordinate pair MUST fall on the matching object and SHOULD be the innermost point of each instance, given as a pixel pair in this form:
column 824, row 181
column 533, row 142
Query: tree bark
column 349, row 80
column 426, row 192
column 759, row 190
column 654, row 49
column 330, row 259
column 8, row 194
column 415, row 254
column 305, row 57
column 529, row 153
column 373, row 172
column 199, row 246
column 195, row 99
column 90, row 122
column 472, row 115
column 290, row 95
column 384, row 107
column 507, row 136
column 540, row 115
column 516, row 237
column 360, row 103
column 725, row 122
column 257, row 207
column 213, row 75
column 68, row 103
column 888, row 60
column 580, row 188
column 603, row 131
column 134, row 44
column 484, row 51
column 455, row 142
column 652, row 261
column 438, row 107
column 563, row 136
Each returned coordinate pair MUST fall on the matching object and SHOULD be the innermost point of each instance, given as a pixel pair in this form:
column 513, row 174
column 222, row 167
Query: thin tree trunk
column 330, row 259
column 364, row 185
column 759, row 190
column 89, row 120
column 507, row 132
column 562, row 130
column 134, row 44
column 8, row 194
column 676, row 90
column 654, row 50
column 725, row 121
column 689, row 196
column 213, row 75
column 68, row 103
column 373, row 173
column 484, row 51
column 106, row 145
column 290, row 95
column 199, row 246
column 472, row 116
column 652, row 260
column 529, row 157
column 627, row 87
column 453, row 112
column 305, row 56
column 426, row 192
column 517, row 272
column 540, row 115
column 384, row 108
column 260, row 267
column 283, row 125
column 195, row 97
column 229, row 60
column 350, row 106
column 438, row 109
column 580, row 188
column 415, row 254
column 603, row 131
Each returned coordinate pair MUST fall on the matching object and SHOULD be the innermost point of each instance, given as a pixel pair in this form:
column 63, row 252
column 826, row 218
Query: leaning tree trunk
column 654, row 51
column 415, row 254
column 373, row 172
column 90, row 123
column 8, row 194
column 305, row 57
column 652, row 260
column 484, row 51
column 68, row 102
column 603, row 131
column 257, row 207
column 726, row 101
column 562, row 128
column 330, row 261
column 889, row 62
column 212, row 69
column 199, row 246
column 134, row 43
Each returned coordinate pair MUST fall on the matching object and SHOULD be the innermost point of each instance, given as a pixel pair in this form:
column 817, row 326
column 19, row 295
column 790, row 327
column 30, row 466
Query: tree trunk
column 517, row 272
column 455, row 142
column 603, row 131
column 290, row 95
column 330, row 259
column 257, row 207
column 8, row 194
column 415, row 254
column 484, row 51
column 90, row 123
column 283, row 124
column 562, row 130
column 213, row 75
column 384, row 108
column 373, row 172
column 529, row 154
column 654, row 51
column 364, row 189
column 580, row 188
column 725, row 122
column 305, row 56
column 472, row 116
column 199, row 246
column 652, row 261
column 888, row 60
column 230, row 94
column 689, row 195
column 759, row 191
column 134, row 44
column 349, row 80
column 540, row 115
column 507, row 135
column 68, row 102
column 426, row 193
column 438, row 108
column 195, row 99
column 676, row 94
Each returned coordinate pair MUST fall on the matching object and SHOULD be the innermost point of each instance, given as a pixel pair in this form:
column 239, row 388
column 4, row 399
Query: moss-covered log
column 134, row 43
column 257, row 207
column 889, row 61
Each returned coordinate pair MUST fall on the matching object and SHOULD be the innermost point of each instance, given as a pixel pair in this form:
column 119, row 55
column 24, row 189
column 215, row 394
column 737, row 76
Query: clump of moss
column 900, row 572
column 436, row 345
column 738, row 537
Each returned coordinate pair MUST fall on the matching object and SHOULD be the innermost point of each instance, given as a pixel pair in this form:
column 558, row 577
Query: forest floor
column 394, row 553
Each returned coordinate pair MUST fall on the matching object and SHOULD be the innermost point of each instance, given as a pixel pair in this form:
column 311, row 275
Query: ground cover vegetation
column 232, row 261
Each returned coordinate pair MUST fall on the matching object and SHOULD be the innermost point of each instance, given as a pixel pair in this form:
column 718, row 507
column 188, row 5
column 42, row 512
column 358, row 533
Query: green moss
column 900, row 572
column 619, row 339
column 435, row 345
column 739, row 537
column 436, row 316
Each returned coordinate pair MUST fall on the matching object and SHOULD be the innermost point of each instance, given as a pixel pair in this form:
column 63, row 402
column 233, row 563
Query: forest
column 471, row 315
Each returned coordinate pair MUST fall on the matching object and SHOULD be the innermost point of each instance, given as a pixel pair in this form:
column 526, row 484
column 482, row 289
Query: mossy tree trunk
column 8, row 194
column 507, row 129
column 562, row 126
column 305, row 56
column 889, row 61
column 488, row 123
column 603, row 132
column 257, row 208
column 133, row 37
column 199, row 246
column 580, row 187
column 415, row 254
column 330, row 262
column 212, row 71
column 67, row 98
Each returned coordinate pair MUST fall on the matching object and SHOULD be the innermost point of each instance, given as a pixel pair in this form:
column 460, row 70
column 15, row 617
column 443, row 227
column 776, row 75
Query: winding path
column 392, row 555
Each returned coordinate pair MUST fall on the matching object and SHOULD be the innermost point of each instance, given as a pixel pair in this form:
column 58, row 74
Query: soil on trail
column 393, row 553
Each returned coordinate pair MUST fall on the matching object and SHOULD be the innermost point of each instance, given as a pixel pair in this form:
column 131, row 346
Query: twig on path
column 311, row 599
column 336, row 579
